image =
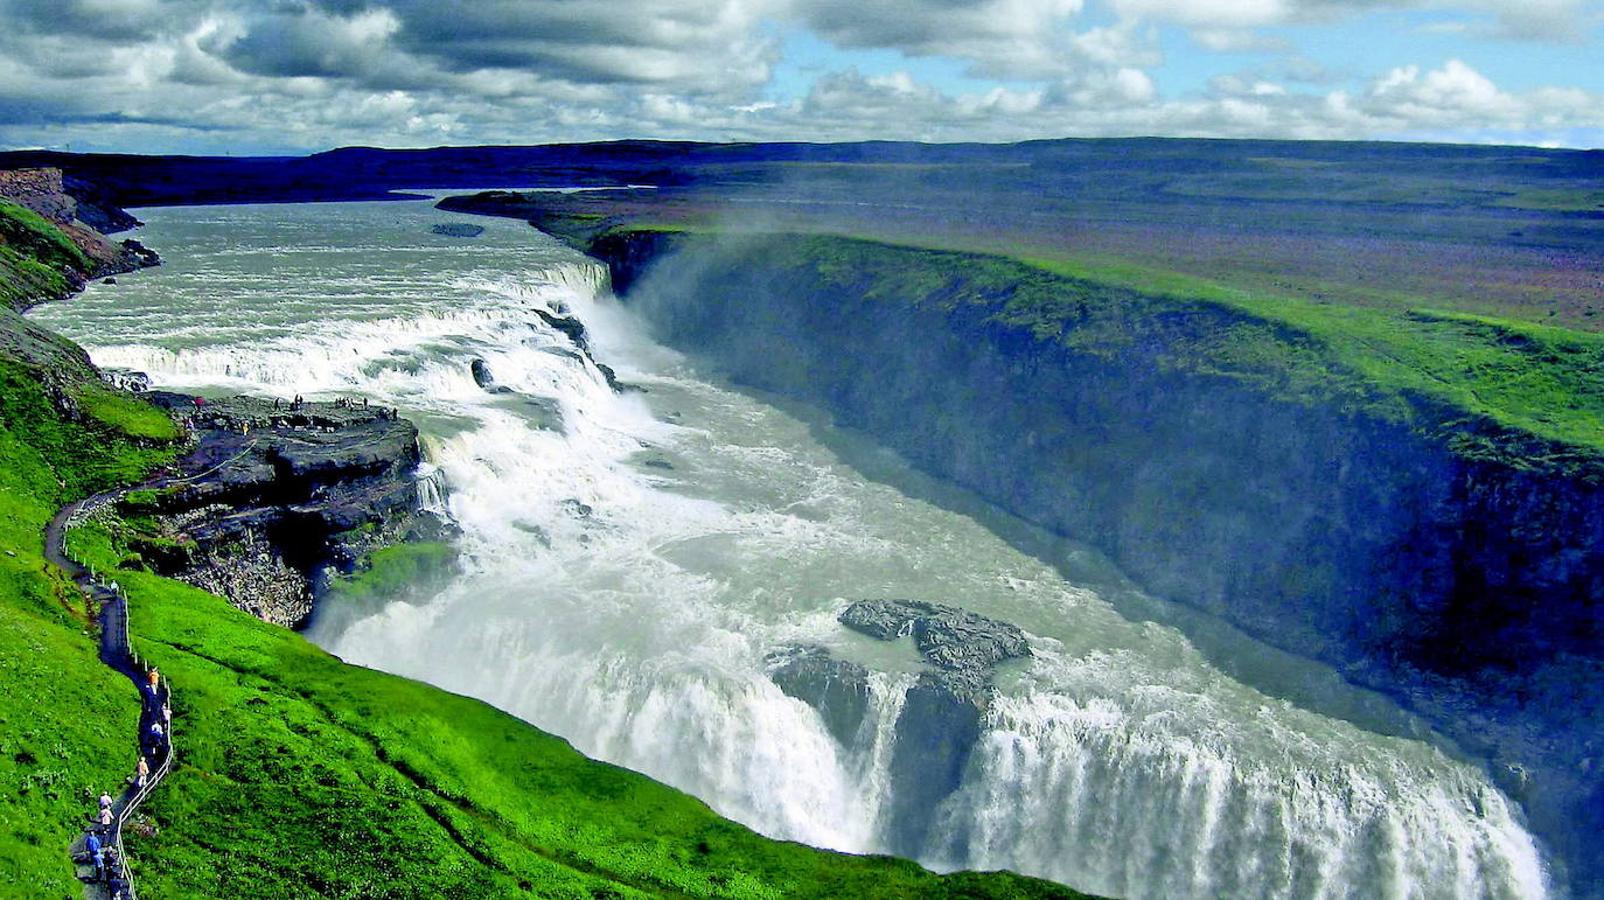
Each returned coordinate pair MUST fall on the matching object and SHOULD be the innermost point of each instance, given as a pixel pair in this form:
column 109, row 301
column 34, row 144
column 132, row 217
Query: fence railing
column 117, row 644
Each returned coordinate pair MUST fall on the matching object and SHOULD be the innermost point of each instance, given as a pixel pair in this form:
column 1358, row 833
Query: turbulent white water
column 624, row 580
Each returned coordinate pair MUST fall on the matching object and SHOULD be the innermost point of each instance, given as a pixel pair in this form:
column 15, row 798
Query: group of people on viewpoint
column 243, row 426
column 362, row 403
column 100, row 848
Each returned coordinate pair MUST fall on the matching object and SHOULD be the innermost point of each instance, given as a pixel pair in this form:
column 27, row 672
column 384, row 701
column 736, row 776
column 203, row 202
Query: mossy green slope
column 66, row 721
column 34, row 257
column 300, row 775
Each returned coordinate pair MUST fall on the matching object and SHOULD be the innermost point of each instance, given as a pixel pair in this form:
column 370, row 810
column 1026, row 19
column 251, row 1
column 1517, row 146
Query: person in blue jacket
column 96, row 854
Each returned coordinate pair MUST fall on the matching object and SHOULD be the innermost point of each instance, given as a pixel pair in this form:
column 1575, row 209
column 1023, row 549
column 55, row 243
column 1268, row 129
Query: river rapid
column 625, row 575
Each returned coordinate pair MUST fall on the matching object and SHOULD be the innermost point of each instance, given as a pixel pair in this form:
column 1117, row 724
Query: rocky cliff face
column 273, row 501
column 1469, row 587
column 85, row 222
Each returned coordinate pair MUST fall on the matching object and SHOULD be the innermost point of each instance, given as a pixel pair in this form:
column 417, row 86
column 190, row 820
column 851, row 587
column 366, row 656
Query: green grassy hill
column 299, row 775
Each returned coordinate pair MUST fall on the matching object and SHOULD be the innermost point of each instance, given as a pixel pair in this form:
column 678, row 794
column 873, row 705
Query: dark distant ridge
column 351, row 173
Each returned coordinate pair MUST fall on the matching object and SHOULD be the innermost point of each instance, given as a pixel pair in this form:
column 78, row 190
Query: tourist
column 96, row 854
column 105, row 800
column 167, row 715
column 106, row 817
column 155, row 678
column 143, row 772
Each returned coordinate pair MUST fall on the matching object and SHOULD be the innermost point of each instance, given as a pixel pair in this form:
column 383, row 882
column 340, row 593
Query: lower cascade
column 641, row 567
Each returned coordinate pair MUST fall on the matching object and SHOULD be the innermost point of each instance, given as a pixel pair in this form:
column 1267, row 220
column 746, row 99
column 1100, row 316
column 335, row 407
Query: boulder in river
column 483, row 377
column 457, row 229
column 138, row 256
column 569, row 326
column 838, row 689
column 947, row 637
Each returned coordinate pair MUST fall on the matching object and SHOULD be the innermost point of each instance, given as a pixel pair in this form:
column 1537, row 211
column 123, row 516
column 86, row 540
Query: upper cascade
column 587, row 278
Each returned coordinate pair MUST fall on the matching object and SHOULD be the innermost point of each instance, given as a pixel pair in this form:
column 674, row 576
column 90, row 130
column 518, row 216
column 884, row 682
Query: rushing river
column 625, row 577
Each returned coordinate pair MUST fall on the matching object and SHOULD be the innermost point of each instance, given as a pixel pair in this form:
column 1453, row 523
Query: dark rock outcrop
column 838, row 689
column 942, row 715
column 486, row 379
column 457, row 229
column 941, row 719
column 945, row 710
column 612, row 380
column 273, row 500
column 574, row 330
column 569, row 326
column 947, row 637
column 138, row 256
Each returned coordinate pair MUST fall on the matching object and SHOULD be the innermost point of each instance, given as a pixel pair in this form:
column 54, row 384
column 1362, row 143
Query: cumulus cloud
column 146, row 74
column 695, row 45
column 1001, row 38
column 1226, row 22
column 310, row 42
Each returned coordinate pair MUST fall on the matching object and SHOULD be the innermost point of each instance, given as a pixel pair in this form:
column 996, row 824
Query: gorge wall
column 1441, row 558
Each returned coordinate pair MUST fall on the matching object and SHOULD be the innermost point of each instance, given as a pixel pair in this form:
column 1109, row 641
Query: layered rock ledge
column 273, row 502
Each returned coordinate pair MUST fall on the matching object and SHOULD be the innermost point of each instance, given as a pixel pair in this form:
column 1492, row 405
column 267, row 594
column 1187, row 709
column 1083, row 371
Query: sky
column 292, row 76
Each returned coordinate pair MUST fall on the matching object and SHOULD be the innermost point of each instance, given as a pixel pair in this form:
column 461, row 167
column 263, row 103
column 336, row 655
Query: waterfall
column 585, row 278
column 1098, row 797
column 630, row 560
column 432, row 490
